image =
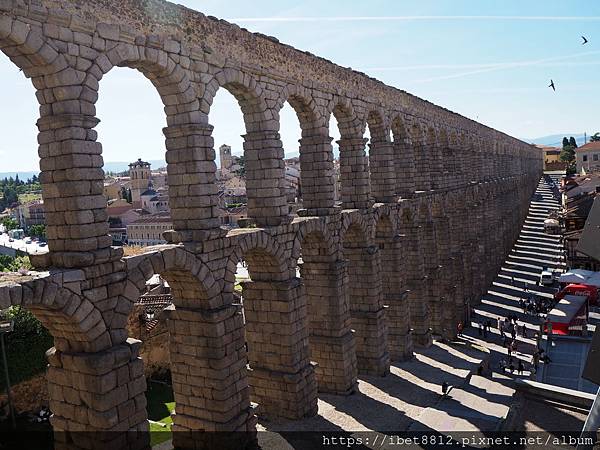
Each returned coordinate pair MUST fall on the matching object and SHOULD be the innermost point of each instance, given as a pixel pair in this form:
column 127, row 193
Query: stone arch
column 29, row 49
column 305, row 107
column 350, row 125
column 384, row 217
column 168, row 77
column 248, row 93
column 423, row 169
column 206, row 340
column 190, row 280
column 393, row 273
column 282, row 379
column 381, row 158
column 399, row 128
column 323, row 276
column 317, row 182
column 313, row 228
column 267, row 260
column 267, row 203
column 378, row 127
column 365, row 294
column 354, row 165
column 73, row 321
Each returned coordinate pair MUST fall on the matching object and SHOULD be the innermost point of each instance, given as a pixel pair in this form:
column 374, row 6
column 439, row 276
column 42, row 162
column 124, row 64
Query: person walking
column 460, row 328
column 513, row 333
column 509, row 349
column 535, row 360
column 520, row 367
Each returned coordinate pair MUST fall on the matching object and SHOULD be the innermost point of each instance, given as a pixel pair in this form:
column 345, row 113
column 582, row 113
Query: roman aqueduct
column 421, row 230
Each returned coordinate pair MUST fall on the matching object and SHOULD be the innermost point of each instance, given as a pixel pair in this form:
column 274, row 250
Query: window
column 584, row 158
column 595, row 157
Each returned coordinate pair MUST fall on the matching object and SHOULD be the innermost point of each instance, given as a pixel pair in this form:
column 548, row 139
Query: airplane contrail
column 409, row 18
column 512, row 65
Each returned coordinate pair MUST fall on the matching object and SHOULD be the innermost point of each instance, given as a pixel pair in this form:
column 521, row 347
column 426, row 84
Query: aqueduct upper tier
column 421, row 226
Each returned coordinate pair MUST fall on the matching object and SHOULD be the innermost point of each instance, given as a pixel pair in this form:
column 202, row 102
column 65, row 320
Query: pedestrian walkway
column 518, row 280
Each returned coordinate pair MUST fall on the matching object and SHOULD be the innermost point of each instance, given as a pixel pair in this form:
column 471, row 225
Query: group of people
column 510, row 365
column 535, row 305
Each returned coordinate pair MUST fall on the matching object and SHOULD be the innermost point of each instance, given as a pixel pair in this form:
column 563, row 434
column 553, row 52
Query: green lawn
column 160, row 406
column 29, row 197
column 25, row 359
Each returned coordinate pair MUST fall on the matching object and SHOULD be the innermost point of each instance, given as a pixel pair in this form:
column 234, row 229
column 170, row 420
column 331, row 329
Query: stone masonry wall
column 441, row 194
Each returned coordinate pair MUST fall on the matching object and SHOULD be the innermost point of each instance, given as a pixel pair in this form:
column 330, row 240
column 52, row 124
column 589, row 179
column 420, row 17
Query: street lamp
column 6, row 326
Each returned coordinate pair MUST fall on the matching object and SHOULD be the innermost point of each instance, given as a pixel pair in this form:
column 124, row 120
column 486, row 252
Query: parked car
column 546, row 278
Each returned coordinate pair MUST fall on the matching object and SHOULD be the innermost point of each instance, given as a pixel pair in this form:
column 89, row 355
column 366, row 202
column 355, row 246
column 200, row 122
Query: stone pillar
column 395, row 297
column 354, row 174
column 367, row 310
column 100, row 393
column 436, row 165
column 415, row 282
column 210, row 383
column 432, row 270
column 405, row 169
column 282, row 378
column 383, row 173
column 332, row 342
column 423, row 168
column 446, row 301
column 73, row 189
column 317, row 178
column 265, row 178
column 460, row 257
column 191, row 176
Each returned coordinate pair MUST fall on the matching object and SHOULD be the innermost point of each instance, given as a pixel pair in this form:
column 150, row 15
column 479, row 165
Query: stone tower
column 139, row 173
column 225, row 156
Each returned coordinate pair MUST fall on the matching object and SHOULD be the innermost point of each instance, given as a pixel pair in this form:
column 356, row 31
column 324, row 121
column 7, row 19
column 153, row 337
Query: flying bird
column 585, row 41
column 552, row 85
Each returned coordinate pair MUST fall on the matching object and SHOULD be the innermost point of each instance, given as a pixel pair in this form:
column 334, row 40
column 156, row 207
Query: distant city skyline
column 488, row 62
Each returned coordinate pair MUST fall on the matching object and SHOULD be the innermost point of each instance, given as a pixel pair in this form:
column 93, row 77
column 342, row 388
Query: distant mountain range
column 114, row 166
column 555, row 140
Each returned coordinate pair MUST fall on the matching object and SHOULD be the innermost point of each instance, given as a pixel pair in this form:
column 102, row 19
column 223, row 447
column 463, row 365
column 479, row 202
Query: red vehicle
column 569, row 316
column 579, row 289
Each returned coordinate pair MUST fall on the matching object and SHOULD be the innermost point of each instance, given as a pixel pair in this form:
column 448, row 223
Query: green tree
column 38, row 231
column 5, row 262
column 10, row 223
column 565, row 142
column 595, row 137
column 572, row 142
column 14, row 264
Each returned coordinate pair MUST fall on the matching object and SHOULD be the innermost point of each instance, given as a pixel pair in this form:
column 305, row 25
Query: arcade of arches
column 422, row 227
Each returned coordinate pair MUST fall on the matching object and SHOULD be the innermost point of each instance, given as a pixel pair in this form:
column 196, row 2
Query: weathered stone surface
column 375, row 279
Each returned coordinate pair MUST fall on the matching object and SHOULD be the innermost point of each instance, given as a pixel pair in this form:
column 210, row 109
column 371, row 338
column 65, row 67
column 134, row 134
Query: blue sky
column 488, row 60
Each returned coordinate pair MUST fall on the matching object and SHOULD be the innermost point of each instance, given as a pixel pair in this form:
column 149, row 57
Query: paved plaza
column 409, row 399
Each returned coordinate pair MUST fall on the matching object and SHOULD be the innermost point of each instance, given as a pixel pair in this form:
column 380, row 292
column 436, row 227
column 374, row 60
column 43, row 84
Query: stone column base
column 422, row 340
column 191, row 433
column 337, row 369
column 281, row 394
column 401, row 347
column 371, row 342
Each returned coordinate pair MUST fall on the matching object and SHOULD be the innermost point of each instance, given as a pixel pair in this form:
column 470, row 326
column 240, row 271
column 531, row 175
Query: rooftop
column 589, row 146
column 153, row 218
column 589, row 243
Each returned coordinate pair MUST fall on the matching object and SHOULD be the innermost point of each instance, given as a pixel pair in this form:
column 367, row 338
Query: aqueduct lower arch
column 422, row 206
